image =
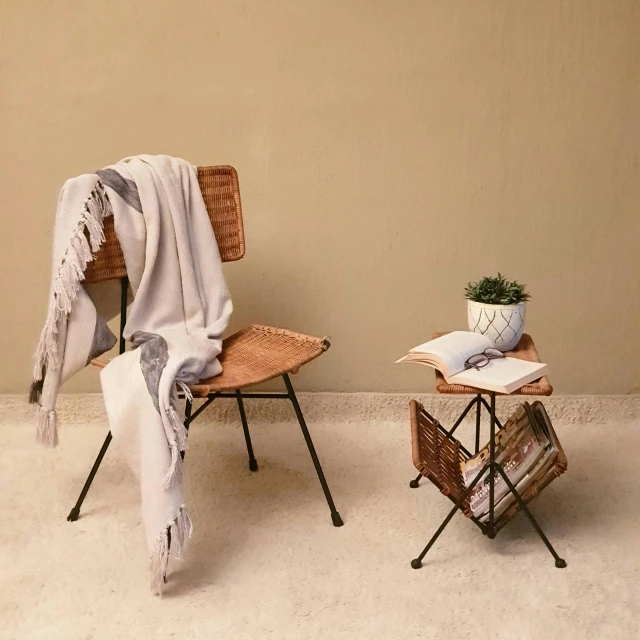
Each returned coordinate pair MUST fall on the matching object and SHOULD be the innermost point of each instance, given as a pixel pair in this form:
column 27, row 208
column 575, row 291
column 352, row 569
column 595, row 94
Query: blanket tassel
column 179, row 443
column 179, row 532
column 47, row 433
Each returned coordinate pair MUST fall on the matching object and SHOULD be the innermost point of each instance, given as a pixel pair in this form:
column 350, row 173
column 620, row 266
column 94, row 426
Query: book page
column 502, row 375
column 423, row 358
column 454, row 349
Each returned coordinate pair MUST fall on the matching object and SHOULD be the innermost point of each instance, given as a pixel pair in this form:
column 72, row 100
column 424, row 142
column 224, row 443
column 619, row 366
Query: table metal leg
column 417, row 562
column 478, row 415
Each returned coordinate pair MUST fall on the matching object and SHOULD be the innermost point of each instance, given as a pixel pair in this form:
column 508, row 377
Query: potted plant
column 496, row 308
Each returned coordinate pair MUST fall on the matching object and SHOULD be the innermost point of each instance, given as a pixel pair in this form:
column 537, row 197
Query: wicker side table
column 447, row 449
column 525, row 350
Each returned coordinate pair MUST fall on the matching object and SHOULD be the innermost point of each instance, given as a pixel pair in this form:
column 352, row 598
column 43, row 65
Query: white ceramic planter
column 503, row 325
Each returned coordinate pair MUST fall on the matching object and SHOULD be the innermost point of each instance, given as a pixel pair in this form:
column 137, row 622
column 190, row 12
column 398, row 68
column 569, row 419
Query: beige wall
column 387, row 151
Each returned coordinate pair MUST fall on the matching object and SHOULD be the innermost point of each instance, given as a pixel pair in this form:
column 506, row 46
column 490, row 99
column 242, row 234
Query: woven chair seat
column 260, row 353
column 254, row 355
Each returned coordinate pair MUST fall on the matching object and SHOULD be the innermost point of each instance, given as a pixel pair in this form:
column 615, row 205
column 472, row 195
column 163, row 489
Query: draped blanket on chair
column 180, row 309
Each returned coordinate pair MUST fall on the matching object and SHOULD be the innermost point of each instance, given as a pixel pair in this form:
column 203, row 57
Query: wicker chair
column 250, row 356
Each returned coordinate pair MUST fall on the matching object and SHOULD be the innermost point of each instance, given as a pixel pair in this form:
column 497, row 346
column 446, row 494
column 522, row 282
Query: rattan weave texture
column 221, row 194
column 258, row 353
column 437, row 457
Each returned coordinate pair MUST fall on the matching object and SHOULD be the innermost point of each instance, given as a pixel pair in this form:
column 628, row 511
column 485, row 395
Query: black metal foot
column 415, row 483
column 253, row 465
column 336, row 519
column 560, row 563
column 491, row 535
column 416, row 564
column 74, row 514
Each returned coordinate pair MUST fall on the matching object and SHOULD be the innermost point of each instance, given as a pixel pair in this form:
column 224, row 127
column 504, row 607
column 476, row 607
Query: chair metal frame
column 238, row 394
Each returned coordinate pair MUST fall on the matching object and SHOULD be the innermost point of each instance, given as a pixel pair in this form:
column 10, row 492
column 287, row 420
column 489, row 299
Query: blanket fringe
column 180, row 442
column 67, row 279
column 172, row 541
column 174, row 474
column 179, row 429
column 185, row 389
column 47, row 433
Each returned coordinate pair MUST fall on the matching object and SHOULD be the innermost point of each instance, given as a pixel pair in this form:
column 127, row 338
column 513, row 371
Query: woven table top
column 525, row 350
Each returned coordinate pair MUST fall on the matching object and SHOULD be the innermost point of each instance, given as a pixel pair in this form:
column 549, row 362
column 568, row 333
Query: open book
column 449, row 353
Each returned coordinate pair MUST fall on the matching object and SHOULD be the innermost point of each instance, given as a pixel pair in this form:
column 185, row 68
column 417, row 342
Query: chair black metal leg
column 74, row 514
column 335, row 516
column 414, row 484
column 253, row 463
column 187, row 420
column 560, row 563
column 417, row 562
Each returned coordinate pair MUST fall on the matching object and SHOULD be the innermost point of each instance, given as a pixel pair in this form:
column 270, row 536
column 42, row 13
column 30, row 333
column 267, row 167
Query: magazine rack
column 437, row 456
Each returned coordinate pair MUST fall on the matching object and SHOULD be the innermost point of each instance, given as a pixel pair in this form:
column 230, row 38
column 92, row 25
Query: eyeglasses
column 482, row 359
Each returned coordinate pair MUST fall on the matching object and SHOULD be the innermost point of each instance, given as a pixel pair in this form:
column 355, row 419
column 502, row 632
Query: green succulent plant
column 496, row 290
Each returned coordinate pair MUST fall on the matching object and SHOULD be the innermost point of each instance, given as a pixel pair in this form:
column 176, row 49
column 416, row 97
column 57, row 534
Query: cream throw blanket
column 180, row 309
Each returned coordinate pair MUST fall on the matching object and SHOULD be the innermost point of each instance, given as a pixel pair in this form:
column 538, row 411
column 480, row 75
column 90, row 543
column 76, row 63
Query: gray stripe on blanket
column 103, row 339
column 154, row 353
column 126, row 189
